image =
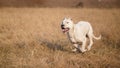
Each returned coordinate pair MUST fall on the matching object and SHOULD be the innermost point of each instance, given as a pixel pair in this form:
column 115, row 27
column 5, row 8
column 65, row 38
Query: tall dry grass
column 32, row 38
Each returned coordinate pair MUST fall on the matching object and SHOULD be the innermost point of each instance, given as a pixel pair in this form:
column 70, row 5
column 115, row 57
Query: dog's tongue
column 64, row 30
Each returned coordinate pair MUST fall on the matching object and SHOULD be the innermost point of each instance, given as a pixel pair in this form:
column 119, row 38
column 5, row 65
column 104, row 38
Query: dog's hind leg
column 91, row 42
column 83, row 46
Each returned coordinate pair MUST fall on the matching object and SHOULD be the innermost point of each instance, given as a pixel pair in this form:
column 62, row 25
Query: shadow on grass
column 53, row 45
column 63, row 46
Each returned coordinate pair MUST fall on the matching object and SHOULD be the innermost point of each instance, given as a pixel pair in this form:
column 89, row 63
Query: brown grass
column 32, row 38
column 61, row 3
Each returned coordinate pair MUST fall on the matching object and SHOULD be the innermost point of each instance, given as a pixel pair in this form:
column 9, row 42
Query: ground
column 32, row 38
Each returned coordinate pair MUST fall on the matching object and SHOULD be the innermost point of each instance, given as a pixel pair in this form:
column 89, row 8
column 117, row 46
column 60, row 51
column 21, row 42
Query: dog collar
column 80, row 43
column 74, row 42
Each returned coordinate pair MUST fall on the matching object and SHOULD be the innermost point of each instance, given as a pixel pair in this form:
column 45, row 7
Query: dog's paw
column 83, row 50
column 74, row 50
column 88, row 48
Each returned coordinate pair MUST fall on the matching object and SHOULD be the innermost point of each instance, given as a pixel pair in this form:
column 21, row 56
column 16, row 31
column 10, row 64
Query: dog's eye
column 67, row 22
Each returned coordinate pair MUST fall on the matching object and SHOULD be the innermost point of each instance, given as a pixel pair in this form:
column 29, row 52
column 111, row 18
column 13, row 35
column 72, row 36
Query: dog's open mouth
column 65, row 30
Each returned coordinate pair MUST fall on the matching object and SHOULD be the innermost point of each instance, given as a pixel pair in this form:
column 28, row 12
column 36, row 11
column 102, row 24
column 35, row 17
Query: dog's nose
column 62, row 26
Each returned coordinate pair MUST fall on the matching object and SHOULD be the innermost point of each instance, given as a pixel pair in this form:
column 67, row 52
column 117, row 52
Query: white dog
column 78, row 33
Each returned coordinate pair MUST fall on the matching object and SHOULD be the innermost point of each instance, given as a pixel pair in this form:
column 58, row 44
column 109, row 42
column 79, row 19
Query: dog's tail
column 97, row 38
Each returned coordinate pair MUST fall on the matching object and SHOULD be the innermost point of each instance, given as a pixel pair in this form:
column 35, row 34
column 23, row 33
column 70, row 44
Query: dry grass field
column 32, row 38
column 61, row 3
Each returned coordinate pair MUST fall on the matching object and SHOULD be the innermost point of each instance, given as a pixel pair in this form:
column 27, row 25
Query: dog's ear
column 64, row 18
column 69, row 18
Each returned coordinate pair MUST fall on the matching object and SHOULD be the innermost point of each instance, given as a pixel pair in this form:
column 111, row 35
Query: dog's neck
column 71, row 31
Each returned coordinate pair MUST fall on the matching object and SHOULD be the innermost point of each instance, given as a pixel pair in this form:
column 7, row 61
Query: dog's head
column 66, row 25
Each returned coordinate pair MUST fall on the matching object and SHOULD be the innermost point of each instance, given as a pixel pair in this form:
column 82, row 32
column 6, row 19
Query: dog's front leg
column 76, row 47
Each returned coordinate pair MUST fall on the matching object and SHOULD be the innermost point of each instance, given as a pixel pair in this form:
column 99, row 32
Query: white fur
column 78, row 33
